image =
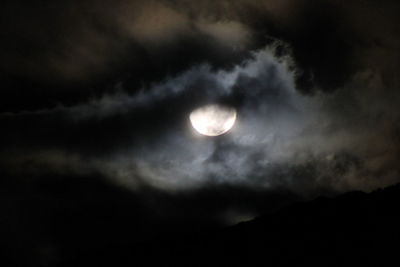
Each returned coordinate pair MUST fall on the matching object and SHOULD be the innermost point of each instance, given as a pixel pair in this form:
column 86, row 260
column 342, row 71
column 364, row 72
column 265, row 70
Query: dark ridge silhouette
column 349, row 230
column 84, row 222
column 353, row 229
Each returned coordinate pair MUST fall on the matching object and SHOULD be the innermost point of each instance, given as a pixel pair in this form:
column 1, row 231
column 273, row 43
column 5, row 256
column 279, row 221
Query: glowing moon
column 213, row 120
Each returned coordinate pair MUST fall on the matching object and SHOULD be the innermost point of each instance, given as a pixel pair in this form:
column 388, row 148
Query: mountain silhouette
column 353, row 229
column 83, row 222
column 349, row 230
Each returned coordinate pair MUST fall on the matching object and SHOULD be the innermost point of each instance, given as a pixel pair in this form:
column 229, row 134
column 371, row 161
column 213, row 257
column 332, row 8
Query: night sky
column 95, row 99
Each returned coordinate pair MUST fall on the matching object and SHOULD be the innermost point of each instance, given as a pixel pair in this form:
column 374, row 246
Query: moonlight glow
column 213, row 120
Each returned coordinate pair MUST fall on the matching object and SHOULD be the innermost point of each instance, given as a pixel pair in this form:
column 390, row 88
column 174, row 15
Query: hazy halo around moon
column 213, row 120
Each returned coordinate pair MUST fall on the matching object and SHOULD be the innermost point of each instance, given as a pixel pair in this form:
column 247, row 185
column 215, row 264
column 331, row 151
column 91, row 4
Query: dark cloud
column 68, row 52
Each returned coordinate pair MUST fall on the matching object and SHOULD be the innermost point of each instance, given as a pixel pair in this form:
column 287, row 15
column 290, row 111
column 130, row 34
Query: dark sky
column 103, row 90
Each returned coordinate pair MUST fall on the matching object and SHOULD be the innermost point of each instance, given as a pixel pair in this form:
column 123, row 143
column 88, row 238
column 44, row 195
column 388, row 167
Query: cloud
column 70, row 52
column 283, row 139
column 106, row 90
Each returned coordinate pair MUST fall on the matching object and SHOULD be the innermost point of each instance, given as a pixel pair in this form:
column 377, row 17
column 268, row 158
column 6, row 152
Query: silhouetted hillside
column 90, row 223
column 349, row 230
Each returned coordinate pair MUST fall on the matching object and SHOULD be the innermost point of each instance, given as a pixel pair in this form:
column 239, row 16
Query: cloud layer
column 90, row 88
column 282, row 138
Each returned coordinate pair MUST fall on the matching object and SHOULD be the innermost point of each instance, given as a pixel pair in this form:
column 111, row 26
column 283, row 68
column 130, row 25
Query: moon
column 213, row 120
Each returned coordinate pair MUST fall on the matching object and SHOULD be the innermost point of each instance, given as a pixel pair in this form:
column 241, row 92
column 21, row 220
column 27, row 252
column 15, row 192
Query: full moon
column 213, row 120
